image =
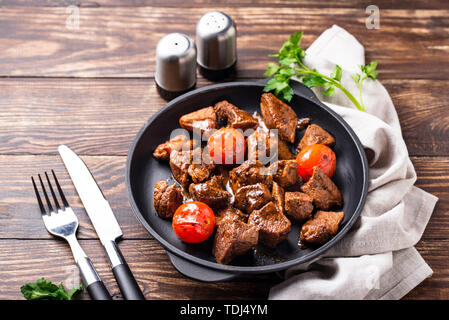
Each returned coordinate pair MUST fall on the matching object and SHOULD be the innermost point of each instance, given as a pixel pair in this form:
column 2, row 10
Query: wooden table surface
column 93, row 88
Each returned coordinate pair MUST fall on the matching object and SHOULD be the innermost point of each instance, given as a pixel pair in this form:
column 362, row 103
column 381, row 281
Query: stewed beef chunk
column 179, row 165
column 204, row 120
column 278, row 115
column 323, row 191
column 322, row 227
column 179, row 142
column 233, row 238
column 273, row 225
column 235, row 117
column 284, row 152
column 285, row 172
column 229, row 211
column 278, row 194
column 262, row 145
column 252, row 197
column 250, row 172
column 211, row 194
column 201, row 167
column 298, row 205
column 315, row 134
column 166, row 199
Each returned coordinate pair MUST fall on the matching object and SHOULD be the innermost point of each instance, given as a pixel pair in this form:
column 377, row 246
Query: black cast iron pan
column 143, row 171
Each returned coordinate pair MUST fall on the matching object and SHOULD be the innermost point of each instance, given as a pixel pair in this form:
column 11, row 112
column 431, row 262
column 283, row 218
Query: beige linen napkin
column 376, row 259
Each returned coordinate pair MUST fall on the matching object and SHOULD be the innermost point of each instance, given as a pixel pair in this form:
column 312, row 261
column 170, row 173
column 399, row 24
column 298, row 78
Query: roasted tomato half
column 227, row 146
column 316, row 155
column 193, row 222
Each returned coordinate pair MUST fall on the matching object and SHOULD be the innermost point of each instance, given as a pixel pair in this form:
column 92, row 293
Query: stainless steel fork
column 61, row 221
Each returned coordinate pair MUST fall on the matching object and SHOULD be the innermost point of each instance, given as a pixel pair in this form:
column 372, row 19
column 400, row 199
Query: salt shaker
column 175, row 65
column 216, row 41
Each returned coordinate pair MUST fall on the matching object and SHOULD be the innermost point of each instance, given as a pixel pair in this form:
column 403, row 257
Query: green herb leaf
column 356, row 77
column 370, row 70
column 329, row 91
column 290, row 64
column 336, row 74
column 42, row 289
column 272, row 68
column 312, row 80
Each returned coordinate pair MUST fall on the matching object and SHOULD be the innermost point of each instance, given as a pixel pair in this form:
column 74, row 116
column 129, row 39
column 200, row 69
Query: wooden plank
column 383, row 4
column 102, row 116
column 23, row 261
column 436, row 254
column 19, row 214
column 120, row 41
column 20, row 217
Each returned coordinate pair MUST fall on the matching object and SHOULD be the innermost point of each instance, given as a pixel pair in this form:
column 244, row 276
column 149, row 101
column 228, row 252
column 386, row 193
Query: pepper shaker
column 175, row 65
column 216, row 41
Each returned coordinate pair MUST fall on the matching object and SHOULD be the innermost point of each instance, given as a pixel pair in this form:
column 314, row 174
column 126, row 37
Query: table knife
column 103, row 220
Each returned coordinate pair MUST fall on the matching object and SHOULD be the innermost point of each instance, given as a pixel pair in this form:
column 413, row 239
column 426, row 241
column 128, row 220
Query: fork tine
column 64, row 200
column 39, row 201
column 45, row 195
column 52, row 192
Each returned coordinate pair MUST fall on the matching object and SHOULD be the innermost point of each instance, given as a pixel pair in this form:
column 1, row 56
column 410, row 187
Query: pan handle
column 198, row 272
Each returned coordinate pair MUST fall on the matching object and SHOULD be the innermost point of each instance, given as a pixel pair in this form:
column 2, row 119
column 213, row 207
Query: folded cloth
column 376, row 259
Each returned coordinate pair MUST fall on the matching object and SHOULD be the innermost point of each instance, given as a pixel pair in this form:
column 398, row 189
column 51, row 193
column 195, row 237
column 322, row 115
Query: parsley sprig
column 46, row 290
column 290, row 64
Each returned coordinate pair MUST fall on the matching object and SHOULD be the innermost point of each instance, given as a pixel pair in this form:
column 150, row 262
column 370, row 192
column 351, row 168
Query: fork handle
column 92, row 281
column 127, row 283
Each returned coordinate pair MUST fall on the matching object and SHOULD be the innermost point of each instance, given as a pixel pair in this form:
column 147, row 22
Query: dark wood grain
column 102, row 116
column 148, row 261
column 384, row 4
column 120, row 41
column 93, row 89
column 157, row 277
column 20, row 218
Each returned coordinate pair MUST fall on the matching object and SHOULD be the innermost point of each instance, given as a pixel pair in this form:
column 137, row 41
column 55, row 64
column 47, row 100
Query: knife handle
column 92, row 281
column 125, row 279
column 97, row 291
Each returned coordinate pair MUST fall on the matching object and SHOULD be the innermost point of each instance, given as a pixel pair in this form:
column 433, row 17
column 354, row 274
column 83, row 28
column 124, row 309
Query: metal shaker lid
column 175, row 62
column 216, row 41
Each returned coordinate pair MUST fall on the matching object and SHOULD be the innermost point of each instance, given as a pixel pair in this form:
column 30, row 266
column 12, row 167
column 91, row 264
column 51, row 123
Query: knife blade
column 103, row 220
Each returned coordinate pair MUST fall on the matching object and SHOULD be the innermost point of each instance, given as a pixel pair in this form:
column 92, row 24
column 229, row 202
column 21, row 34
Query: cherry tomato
column 193, row 222
column 227, row 146
column 316, row 155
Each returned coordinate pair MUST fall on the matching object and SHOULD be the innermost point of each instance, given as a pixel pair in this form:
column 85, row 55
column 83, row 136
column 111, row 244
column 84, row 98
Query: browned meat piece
column 204, row 119
column 322, row 227
column 285, row 172
column 303, row 123
column 278, row 115
column 278, row 196
column 163, row 150
column 273, row 225
column 252, row 197
column 211, row 194
column 284, row 152
column 231, row 211
column 201, row 167
column 315, row 134
column 261, row 145
column 233, row 238
column 179, row 165
column 323, row 191
column 236, row 117
column 298, row 205
column 250, row 172
column 166, row 199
